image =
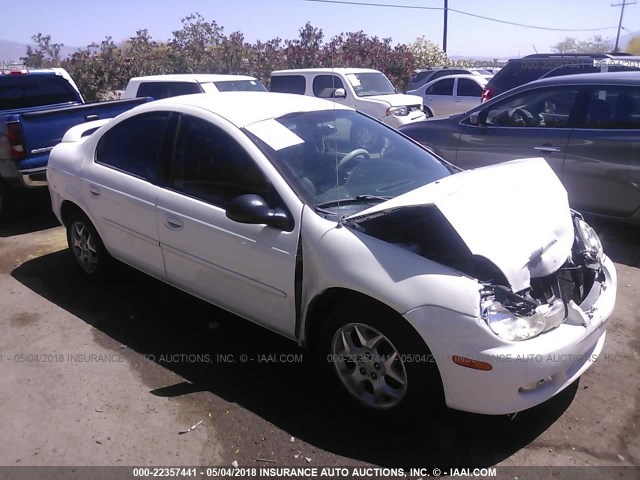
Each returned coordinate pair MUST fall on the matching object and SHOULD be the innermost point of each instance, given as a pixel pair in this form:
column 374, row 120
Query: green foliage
column 201, row 46
column 595, row 44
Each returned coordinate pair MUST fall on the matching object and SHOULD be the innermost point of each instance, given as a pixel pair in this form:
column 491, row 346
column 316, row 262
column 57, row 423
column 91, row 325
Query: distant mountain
column 10, row 52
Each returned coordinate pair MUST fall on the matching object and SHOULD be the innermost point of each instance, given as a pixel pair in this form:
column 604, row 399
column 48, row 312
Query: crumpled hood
column 515, row 214
column 397, row 99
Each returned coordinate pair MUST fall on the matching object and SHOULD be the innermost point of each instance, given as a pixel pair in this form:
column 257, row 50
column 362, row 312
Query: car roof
column 605, row 78
column 245, row 108
column 325, row 70
column 192, row 78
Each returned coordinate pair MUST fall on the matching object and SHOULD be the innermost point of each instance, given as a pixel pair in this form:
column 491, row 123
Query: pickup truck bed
column 36, row 109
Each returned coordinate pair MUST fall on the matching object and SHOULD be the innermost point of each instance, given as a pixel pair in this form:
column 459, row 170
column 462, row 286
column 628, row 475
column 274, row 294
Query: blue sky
column 79, row 22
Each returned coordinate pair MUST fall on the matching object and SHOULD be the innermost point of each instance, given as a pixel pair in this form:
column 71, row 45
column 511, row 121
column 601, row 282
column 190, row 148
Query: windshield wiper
column 352, row 200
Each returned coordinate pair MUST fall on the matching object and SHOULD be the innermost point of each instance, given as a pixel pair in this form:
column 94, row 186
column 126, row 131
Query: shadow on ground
column 621, row 242
column 37, row 215
column 152, row 318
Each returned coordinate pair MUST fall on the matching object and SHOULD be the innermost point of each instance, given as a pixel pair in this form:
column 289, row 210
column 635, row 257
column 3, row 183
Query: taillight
column 16, row 142
column 487, row 93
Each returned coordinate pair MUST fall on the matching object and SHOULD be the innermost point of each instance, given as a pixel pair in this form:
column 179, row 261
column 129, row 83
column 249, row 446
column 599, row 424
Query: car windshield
column 240, row 86
column 343, row 155
column 367, row 84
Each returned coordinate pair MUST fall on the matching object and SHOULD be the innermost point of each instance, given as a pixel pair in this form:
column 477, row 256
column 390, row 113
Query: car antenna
column 335, row 144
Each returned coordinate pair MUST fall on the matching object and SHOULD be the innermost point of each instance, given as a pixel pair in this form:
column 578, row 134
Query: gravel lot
column 111, row 374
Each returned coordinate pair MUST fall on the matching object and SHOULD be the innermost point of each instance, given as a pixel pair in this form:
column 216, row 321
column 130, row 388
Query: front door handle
column 547, row 148
column 174, row 223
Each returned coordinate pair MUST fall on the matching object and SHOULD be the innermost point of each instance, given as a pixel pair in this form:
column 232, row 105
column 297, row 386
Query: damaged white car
column 410, row 280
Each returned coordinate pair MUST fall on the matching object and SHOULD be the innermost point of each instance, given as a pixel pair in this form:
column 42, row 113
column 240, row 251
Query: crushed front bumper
column 524, row 373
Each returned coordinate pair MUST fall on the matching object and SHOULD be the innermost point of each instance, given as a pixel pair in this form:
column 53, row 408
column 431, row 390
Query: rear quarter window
column 288, row 84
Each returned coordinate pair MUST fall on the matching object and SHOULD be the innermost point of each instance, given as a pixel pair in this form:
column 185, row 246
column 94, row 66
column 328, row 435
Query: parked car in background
column 366, row 90
column 587, row 127
column 421, row 77
column 451, row 94
column 164, row 86
column 519, row 71
column 386, row 266
column 36, row 108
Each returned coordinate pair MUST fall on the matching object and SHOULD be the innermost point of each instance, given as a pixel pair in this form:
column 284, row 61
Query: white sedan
column 451, row 94
column 410, row 280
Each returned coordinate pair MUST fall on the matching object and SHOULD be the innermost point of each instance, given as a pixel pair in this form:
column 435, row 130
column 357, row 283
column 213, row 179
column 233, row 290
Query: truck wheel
column 378, row 361
column 86, row 246
column 11, row 201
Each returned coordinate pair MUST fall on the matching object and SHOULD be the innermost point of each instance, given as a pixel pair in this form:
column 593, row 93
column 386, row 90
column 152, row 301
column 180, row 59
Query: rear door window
column 613, row 107
column 133, row 146
column 443, row 87
column 288, row 84
column 468, row 88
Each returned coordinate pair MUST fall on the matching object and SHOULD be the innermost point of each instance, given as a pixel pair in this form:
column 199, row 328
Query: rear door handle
column 547, row 148
column 173, row 223
column 94, row 191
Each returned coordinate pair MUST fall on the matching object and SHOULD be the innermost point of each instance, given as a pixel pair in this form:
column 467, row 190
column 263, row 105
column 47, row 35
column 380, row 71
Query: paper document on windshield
column 274, row 134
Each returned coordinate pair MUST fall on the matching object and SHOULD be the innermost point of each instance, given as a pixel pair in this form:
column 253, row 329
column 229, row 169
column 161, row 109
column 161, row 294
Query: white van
column 366, row 90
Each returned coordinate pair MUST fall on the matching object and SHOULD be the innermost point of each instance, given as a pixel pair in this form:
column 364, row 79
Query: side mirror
column 477, row 119
column 253, row 209
column 339, row 93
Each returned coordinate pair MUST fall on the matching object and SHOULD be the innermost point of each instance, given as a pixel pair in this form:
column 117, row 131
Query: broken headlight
column 588, row 241
column 513, row 317
column 510, row 326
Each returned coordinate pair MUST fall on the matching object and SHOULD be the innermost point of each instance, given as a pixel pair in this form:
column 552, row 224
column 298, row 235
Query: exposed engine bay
column 541, row 307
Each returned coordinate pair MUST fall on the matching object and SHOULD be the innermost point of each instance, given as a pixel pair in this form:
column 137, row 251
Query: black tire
column 422, row 384
column 427, row 111
column 11, row 201
column 363, row 137
column 86, row 247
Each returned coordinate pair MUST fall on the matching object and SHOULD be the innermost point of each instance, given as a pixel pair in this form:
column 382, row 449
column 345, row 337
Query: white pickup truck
column 164, row 86
column 368, row 91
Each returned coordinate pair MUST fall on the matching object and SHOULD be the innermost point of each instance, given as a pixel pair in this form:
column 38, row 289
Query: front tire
column 378, row 361
column 86, row 247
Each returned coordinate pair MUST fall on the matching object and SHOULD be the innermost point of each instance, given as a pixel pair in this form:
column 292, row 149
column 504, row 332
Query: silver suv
column 586, row 126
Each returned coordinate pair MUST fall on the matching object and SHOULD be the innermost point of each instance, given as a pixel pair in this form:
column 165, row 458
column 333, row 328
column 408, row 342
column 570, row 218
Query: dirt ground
column 112, row 374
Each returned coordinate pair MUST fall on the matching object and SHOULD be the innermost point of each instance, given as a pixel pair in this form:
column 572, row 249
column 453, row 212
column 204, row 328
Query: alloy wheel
column 369, row 366
column 84, row 247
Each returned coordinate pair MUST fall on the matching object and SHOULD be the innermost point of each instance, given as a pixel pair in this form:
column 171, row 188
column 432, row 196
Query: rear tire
column 377, row 361
column 87, row 249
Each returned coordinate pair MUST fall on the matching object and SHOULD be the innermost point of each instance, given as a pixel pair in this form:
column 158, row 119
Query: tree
column 45, row 54
column 193, row 47
column 595, row 44
column 427, row 54
column 633, row 47
column 304, row 52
